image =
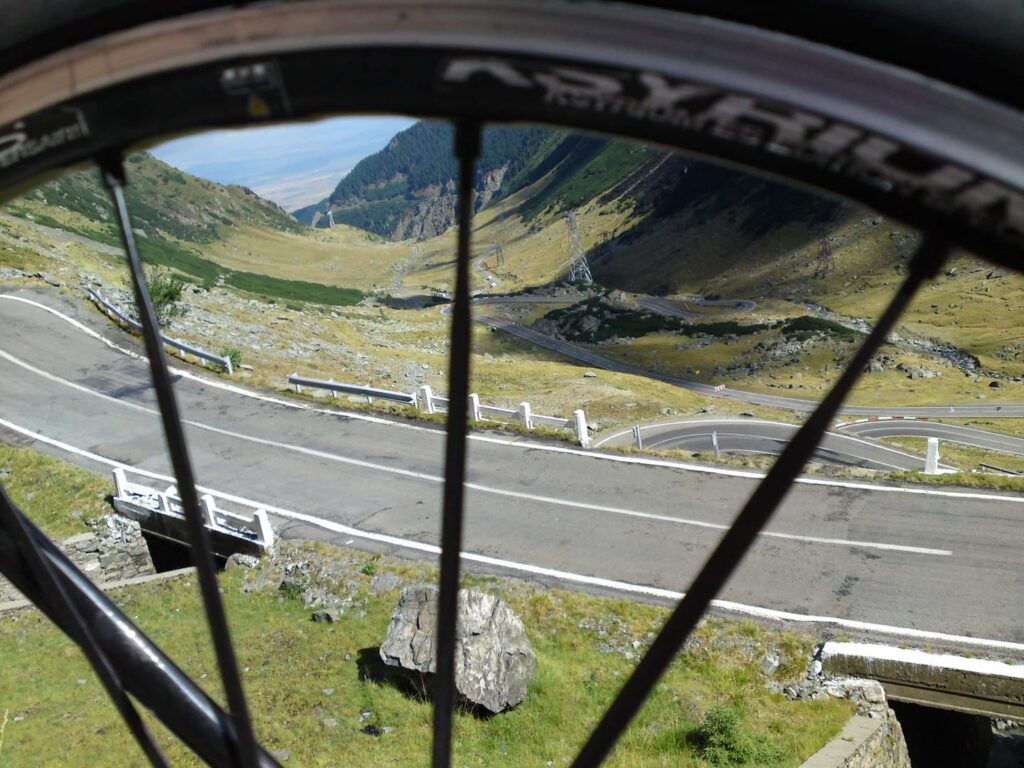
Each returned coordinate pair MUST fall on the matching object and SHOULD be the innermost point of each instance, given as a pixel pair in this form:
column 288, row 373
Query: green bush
column 806, row 326
column 234, row 354
column 165, row 289
column 722, row 741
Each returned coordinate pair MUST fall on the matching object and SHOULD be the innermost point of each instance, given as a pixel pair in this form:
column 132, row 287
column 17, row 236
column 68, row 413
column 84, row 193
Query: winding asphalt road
column 903, row 560
column 669, row 308
column 950, row 433
column 771, row 437
column 965, row 410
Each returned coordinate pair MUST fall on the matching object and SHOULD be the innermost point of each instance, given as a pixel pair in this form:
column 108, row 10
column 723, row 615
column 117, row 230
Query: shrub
column 723, row 742
column 165, row 290
column 234, row 355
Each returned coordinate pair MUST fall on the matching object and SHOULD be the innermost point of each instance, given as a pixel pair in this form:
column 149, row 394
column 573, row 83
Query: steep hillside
column 165, row 202
column 407, row 190
column 186, row 223
column 705, row 228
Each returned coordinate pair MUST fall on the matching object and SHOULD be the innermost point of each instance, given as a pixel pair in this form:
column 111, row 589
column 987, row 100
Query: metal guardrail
column 351, row 389
column 424, row 399
column 181, row 346
column 161, row 511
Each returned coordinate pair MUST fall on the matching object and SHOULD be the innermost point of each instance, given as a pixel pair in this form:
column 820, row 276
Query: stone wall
column 884, row 748
column 114, row 550
column 872, row 739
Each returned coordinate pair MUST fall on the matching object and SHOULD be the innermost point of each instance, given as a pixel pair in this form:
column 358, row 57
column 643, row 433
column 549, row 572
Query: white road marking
column 473, row 486
column 564, row 576
column 532, row 446
column 734, row 422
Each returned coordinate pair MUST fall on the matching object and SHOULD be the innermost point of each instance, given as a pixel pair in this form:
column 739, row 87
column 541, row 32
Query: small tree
column 166, row 290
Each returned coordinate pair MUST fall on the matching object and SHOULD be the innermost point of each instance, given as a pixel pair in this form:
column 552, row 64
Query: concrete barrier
column 160, row 513
column 957, row 683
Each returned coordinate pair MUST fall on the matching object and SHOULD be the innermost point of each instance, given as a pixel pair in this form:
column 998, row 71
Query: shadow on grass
column 417, row 686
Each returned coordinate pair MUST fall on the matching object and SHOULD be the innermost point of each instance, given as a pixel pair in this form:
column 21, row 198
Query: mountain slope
column 164, row 201
column 408, row 188
column 180, row 222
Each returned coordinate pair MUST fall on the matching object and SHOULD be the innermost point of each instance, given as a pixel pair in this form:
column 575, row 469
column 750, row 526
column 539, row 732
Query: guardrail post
column 298, row 387
column 427, row 396
column 581, row 428
column 474, row 406
column 525, row 416
column 228, row 366
column 334, row 392
column 209, row 509
column 263, row 528
column 638, row 437
column 119, row 482
column 931, row 462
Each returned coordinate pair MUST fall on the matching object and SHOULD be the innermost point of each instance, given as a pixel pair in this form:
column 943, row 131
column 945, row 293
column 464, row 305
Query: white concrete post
column 227, row 364
column 581, row 428
column 525, row 416
column 209, row 509
column 334, row 392
column 119, row 482
column 474, row 406
column 427, row 397
column 638, row 437
column 931, row 462
column 263, row 528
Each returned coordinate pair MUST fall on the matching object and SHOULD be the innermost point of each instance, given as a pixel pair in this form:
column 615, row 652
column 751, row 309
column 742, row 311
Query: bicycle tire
column 895, row 130
column 912, row 148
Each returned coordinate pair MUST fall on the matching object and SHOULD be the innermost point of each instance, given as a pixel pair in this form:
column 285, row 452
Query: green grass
column 58, row 497
column 307, row 693
column 293, row 290
column 303, row 682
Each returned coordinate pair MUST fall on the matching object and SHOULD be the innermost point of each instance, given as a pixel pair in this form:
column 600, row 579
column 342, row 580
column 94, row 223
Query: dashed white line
column 532, row 446
column 567, row 577
column 422, row 476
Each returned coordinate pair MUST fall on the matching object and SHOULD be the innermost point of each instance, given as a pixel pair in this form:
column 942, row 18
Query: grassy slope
column 306, row 691
column 58, row 497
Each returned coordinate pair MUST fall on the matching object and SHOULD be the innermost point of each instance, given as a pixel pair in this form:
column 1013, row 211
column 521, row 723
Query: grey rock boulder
column 494, row 661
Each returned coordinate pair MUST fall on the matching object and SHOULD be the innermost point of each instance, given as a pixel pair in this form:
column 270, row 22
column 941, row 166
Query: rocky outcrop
column 437, row 207
column 115, row 550
column 494, row 661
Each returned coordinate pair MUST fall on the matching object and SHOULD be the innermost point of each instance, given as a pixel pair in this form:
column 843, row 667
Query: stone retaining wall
column 872, row 740
column 115, row 550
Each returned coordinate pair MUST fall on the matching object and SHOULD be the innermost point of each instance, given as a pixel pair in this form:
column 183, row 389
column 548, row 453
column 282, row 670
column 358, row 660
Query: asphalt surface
column 671, row 308
column 771, row 437
column 950, row 433
column 938, row 561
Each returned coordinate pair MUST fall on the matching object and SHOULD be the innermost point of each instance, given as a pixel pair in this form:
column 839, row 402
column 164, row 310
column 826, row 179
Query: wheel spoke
column 240, row 739
column 467, row 147
column 751, row 520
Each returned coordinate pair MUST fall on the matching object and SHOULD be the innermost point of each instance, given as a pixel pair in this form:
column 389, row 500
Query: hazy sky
column 293, row 165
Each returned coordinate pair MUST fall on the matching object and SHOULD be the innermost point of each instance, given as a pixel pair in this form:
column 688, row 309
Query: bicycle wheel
column 894, row 127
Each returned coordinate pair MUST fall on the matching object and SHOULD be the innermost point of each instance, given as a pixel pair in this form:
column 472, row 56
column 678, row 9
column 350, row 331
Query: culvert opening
column 168, row 555
column 939, row 738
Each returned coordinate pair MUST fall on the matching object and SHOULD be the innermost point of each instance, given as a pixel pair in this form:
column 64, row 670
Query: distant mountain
column 408, row 189
column 173, row 213
column 165, row 202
